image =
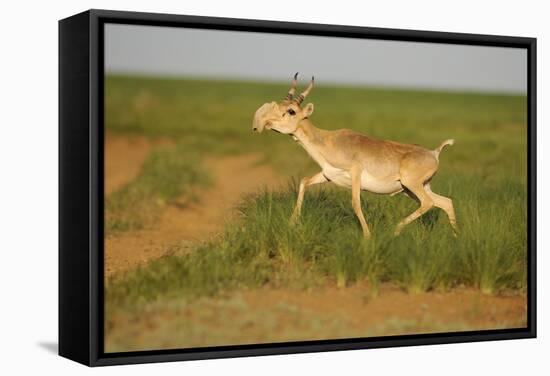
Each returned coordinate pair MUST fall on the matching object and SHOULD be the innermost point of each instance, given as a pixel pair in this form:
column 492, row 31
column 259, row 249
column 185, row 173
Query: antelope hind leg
column 445, row 204
column 426, row 203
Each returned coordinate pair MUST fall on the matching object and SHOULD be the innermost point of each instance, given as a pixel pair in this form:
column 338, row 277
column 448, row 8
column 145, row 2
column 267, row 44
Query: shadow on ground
column 51, row 347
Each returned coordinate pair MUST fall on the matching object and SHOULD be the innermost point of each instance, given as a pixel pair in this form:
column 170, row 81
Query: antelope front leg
column 356, row 199
column 306, row 182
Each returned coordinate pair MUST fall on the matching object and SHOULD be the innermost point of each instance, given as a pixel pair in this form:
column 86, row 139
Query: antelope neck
column 307, row 133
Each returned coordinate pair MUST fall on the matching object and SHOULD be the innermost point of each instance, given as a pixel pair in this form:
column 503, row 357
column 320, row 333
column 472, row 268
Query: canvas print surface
column 248, row 204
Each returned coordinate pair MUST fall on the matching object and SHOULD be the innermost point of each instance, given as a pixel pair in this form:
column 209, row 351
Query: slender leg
column 446, row 204
column 306, row 182
column 356, row 199
column 426, row 203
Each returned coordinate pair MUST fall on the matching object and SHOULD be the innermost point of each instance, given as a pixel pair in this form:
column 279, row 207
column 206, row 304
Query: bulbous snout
column 261, row 117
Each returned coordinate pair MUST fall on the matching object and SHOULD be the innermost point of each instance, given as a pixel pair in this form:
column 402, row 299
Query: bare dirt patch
column 281, row 315
column 124, row 157
column 234, row 176
column 361, row 309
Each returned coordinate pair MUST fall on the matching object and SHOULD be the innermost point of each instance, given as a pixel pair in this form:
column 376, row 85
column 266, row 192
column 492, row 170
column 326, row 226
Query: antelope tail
column 443, row 144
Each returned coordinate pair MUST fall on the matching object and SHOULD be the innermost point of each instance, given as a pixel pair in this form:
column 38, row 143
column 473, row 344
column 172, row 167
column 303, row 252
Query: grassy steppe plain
column 484, row 172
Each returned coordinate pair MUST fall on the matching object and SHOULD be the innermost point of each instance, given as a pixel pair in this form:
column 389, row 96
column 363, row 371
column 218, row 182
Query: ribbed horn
column 305, row 93
column 292, row 89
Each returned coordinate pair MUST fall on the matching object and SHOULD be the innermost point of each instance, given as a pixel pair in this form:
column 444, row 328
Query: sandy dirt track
column 234, row 176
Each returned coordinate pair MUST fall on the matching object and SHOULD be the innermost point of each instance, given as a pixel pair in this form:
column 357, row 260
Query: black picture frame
column 81, row 186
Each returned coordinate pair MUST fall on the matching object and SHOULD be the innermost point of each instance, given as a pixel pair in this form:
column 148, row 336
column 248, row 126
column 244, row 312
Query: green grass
column 216, row 116
column 484, row 173
column 264, row 247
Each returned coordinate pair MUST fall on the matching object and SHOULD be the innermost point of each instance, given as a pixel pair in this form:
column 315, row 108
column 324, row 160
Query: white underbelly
column 338, row 176
column 368, row 182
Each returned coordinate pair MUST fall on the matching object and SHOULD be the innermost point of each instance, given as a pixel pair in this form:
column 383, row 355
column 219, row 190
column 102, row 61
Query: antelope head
column 284, row 116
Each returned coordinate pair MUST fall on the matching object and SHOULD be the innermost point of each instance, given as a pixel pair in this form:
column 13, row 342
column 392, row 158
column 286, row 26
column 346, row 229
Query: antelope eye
column 291, row 111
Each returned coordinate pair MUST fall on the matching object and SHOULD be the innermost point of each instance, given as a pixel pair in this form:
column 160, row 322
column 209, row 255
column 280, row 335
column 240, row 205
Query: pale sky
column 182, row 52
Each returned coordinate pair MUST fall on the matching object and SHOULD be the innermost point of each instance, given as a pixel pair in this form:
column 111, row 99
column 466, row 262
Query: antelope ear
column 308, row 110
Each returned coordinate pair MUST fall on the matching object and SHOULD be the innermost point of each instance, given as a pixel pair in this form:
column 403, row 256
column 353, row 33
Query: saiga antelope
column 356, row 161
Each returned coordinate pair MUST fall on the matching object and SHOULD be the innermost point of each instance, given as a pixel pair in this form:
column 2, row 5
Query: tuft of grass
column 169, row 173
column 493, row 251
